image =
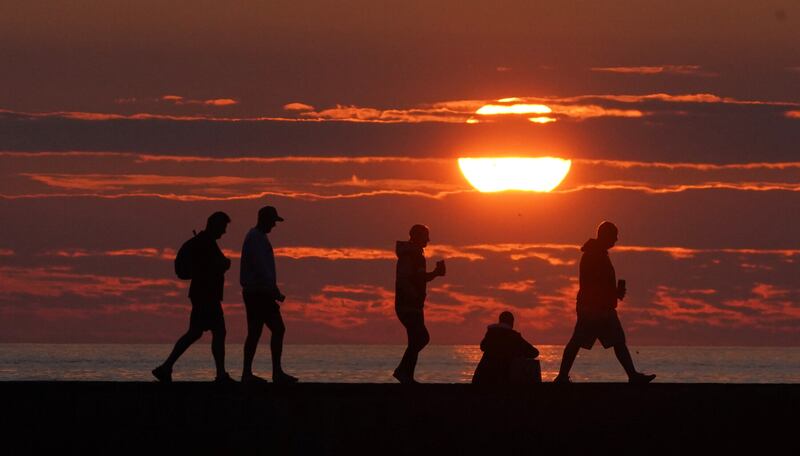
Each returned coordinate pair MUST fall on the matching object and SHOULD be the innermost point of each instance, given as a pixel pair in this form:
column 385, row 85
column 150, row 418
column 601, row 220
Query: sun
column 533, row 174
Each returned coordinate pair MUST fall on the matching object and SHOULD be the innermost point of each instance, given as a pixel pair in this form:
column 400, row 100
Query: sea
column 375, row 363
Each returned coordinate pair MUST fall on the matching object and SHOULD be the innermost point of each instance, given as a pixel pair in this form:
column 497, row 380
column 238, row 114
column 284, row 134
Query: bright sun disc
column 541, row 174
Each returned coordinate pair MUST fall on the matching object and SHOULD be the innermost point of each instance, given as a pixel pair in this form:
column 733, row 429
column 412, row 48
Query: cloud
column 305, row 196
column 518, row 251
column 579, row 107
column 793, row 114
column 300, row 178
column 298, row 107
column 110, row 182
column 555, row 255
column 361, row 160
column 220, row 102
column 664, row 189
column 626, row 164
column 375, row 115
column 449, row 304
column 592, row 111
column 521, row 286
column 689, row 98
column 770, row 308
column 695, row 70
column 179, row 100
column 60, row 281
column 345, row 306
column 6, row 252
column 670, row 298
column 294, row 252
column 345, row 253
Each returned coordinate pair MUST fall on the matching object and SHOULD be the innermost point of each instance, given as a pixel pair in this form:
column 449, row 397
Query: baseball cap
column 269, row 213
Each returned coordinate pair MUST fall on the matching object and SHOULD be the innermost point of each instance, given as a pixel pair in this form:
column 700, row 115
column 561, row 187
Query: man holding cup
column 410, row 291
column 597, row 307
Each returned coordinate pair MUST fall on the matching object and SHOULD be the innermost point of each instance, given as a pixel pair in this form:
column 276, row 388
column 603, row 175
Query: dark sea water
column 374, row 363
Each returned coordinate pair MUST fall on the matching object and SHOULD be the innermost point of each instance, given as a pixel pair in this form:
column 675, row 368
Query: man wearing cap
column 261, row 297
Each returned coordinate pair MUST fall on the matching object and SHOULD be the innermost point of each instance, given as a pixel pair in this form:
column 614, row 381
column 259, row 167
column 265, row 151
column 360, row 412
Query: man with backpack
column 201, row 260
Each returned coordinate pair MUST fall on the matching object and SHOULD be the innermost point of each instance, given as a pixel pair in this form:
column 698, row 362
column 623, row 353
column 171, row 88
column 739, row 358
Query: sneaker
column 224, row 379
column 641, row 379
column 252, row 379
column 162, row 374
column 283, row 379
column 562, row 379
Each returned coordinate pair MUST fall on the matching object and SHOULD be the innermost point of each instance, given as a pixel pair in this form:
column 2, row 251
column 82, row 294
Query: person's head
column 419, row 235
column 506, row 318
column 607, row 234
column 217, row 223
column 267, row 216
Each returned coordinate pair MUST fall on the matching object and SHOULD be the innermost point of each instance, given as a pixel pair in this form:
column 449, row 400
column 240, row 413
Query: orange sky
column 124, row 124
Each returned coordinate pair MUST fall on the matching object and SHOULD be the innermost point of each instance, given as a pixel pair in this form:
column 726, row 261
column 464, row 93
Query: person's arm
column 526, row 349
column 267, row 264
column 440, row 270
column 221, row 263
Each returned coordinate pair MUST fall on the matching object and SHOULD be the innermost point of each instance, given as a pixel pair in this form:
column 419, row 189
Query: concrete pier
column 433, row 419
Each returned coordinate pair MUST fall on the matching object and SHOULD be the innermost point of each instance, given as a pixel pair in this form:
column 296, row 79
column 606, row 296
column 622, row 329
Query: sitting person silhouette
column 501, row 346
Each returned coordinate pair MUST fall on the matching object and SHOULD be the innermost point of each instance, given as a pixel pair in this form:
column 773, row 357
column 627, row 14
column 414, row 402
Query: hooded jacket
column 500, row 346
column 598, row 281
column 411, row 277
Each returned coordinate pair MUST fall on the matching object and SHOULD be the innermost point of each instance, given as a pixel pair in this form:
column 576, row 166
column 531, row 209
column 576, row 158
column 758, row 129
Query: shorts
column 261, row 308
column 206, row 315
column 605, row 327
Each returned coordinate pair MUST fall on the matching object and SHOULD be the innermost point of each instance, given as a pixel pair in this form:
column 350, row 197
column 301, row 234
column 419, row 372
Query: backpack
column 184, row 266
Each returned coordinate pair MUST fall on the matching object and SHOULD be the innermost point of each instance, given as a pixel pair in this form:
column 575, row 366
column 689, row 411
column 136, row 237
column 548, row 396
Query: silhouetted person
column 409, row 299
column 596, row 307
column 261, row 297
column 501, row 346
column 208, row 266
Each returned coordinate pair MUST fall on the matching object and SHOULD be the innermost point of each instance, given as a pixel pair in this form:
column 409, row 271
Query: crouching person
column 507, row 357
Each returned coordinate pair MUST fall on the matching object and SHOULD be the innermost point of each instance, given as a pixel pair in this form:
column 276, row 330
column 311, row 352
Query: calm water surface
column 374, row 363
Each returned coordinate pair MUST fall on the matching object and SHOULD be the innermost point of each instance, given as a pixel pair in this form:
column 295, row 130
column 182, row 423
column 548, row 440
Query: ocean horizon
column 374, row 363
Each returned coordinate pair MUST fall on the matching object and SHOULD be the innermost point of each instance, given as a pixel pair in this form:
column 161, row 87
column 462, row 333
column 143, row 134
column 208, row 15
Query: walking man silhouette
column 596, row 307
column 208, row 266
column 410, row 290
column 261, row 297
